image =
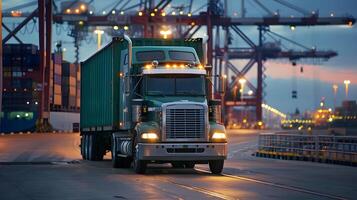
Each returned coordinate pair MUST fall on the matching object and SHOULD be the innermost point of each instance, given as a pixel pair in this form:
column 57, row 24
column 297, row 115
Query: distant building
column 346, row 115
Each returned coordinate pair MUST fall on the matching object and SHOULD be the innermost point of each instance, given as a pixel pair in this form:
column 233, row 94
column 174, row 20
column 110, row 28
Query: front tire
column 216, row 166
column 138, row 165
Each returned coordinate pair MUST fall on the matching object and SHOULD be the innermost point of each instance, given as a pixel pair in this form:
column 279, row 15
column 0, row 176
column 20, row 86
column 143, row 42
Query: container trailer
column 149, row 101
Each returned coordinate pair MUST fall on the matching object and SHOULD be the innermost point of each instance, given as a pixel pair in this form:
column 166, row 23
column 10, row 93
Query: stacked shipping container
column 69, row 86
column 56, row 86
column 22, row 86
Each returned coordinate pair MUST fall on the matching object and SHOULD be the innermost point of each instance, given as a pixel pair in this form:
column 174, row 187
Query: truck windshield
column 182, row 56
column 175, row 86
column 143, row 56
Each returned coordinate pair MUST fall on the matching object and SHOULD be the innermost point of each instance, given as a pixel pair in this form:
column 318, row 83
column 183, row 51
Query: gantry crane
column 147, row 15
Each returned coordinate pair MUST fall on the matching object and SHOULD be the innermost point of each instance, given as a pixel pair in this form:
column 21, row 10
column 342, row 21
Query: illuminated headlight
column 218, row 136
column 149, row 136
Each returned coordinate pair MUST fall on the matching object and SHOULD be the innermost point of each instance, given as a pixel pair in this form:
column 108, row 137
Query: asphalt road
column 49, row 166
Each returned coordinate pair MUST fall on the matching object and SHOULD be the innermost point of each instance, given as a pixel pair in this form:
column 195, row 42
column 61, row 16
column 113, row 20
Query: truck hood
column 158, row 101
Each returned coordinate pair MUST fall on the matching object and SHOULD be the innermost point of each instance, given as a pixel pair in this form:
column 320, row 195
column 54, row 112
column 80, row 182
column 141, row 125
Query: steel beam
column 41, row 38
column 48, row 43
column 19, row 27
column 110, row 20
column 9, row 30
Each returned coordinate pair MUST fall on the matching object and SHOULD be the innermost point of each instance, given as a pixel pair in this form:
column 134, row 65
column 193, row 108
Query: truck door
column 125, row 82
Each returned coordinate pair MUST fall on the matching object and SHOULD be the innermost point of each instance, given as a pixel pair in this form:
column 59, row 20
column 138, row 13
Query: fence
column 319, row 148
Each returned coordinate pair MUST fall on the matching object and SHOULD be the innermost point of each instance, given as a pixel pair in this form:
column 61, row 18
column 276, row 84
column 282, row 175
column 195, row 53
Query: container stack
column 21, row 85
column 69, row 86
column 72, row 86
column 56, row 103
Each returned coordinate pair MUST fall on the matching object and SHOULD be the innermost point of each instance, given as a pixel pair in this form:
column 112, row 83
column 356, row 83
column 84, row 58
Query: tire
column 216, row 166
column 98, row 148
column 91, row 150
column 83, row 147
column 138, row 165
column 118, row 162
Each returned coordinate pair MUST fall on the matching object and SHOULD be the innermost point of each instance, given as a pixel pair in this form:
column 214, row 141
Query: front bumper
column 182, row 151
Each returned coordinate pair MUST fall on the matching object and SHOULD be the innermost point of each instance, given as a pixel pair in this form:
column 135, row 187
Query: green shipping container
column 102, row 91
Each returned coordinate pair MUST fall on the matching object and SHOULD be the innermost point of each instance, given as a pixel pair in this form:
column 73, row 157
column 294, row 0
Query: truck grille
column 185, row 123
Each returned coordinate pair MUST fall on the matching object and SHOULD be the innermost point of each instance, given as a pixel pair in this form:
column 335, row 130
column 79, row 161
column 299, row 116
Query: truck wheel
column 138, row 165
column 97, row 148
column 83, row 147
column 85, row 142
column 216, row 166
column 90, row 147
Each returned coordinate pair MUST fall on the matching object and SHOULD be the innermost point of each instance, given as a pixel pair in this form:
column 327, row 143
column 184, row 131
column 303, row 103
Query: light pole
column 242, row 81
column 334, row 87
column 99, row 37
column 346, row 82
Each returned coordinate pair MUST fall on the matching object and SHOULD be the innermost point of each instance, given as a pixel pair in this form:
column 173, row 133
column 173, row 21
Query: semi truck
column 149, row 101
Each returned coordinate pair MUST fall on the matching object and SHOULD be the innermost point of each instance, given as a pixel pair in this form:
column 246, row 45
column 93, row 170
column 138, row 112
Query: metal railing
column 320, row 148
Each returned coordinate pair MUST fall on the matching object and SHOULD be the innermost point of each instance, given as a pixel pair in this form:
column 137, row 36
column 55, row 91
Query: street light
column 99, row 37
column 165, row 33
column 334, row 87
column 242, row 81
column 346, row 82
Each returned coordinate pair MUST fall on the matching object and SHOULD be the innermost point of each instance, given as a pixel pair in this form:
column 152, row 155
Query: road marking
column 204, row 191
column 292, row 188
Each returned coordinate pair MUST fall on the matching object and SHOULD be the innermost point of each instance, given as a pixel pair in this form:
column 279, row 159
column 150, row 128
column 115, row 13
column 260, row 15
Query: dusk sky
column 314, row 83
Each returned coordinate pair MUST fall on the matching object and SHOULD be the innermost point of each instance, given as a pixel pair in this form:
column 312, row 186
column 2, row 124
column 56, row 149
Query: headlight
column 218, row 136
column 149, row 136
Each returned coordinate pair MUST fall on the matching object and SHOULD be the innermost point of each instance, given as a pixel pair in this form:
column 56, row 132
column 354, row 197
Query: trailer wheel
column 138, row 165
column 91, row 152
column 97, row 148
column 216, row 166
column 83, row 147
column 85, row 142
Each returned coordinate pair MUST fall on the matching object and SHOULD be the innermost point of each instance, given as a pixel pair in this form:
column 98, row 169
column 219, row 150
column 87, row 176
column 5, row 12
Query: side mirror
column 222, row 84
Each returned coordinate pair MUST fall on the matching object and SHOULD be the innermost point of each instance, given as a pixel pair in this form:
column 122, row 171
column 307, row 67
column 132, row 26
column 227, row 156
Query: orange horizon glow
column 276, row 70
